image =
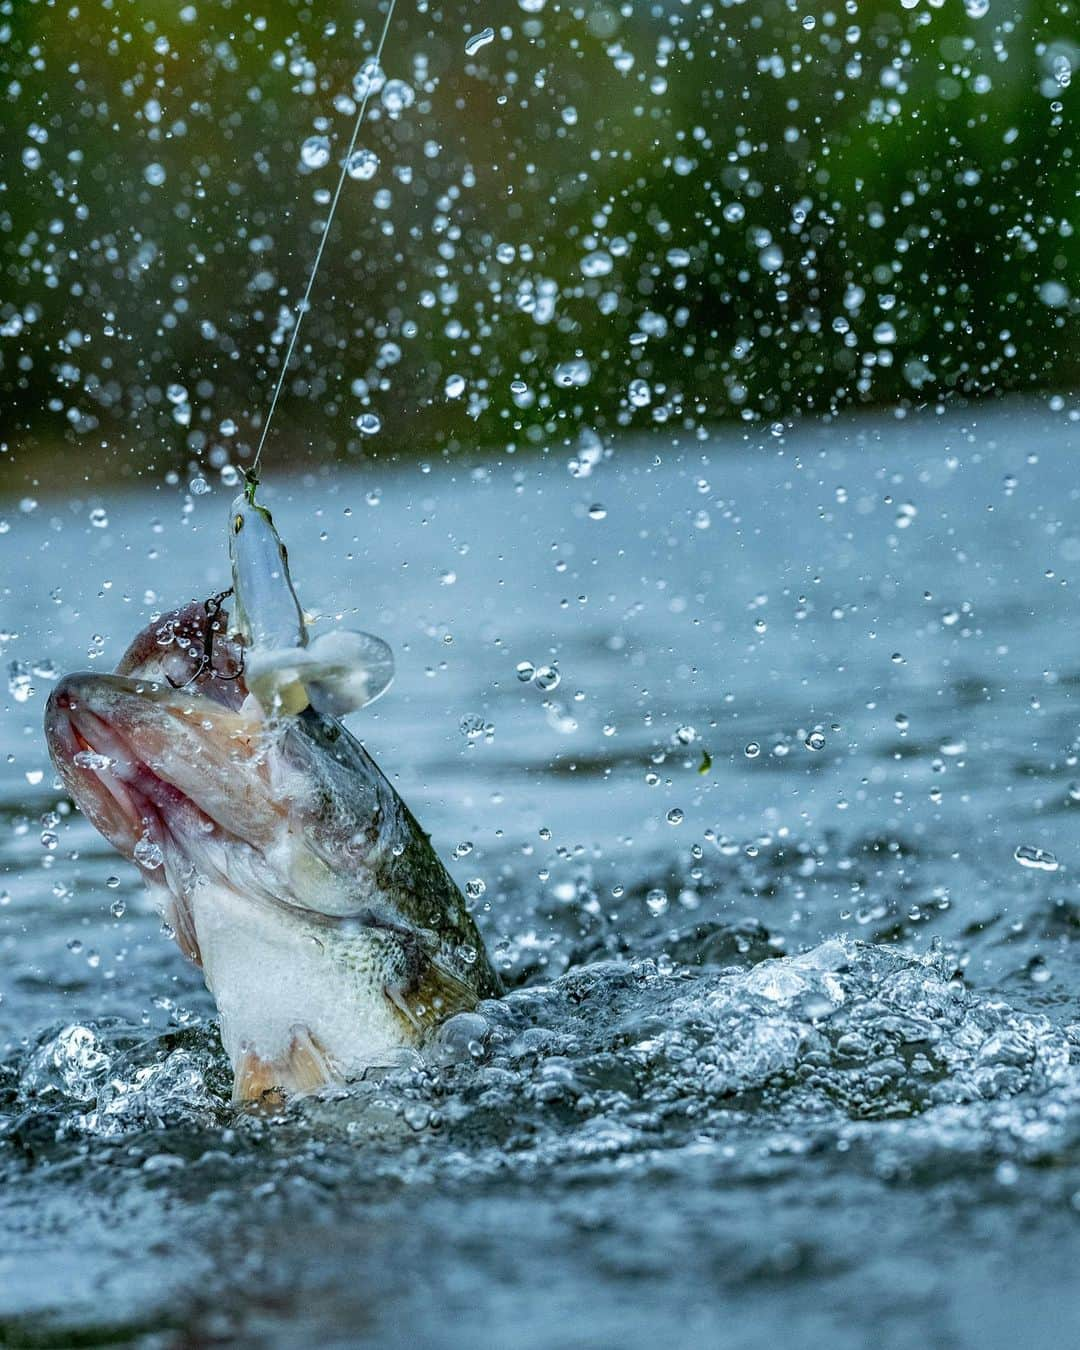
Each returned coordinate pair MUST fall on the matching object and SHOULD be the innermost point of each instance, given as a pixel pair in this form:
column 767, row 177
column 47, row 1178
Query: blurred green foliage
column 646, row 215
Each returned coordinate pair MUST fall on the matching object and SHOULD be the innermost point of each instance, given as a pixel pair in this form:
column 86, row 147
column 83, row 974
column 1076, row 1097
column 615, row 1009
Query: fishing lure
column 285, row 669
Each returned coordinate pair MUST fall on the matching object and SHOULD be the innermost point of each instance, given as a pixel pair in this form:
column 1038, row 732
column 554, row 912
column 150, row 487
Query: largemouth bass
column 287, row 866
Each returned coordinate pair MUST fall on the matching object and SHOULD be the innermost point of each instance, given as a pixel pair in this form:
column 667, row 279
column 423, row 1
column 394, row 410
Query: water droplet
column 90, row 759
column 315, row 152
column 369, row 424
column 474, row 727
column 656, row 900
column 815, row 741
column 574, row 374
column 147, row 853
column 99, row 518
column 479, row 40
column 363, row 164
column 546, row 677
column 118, row 908
column 639, row 393
column 597, row 512
column 397, row 96
column 771, row 259
column 752, row 750
column 525, row 671
column 597, row 264
column 20, row 684
column 455, row 386
column 154, row 174
column 675, row 816
column 369, row 79
column 475, row 888
column 1027, row 855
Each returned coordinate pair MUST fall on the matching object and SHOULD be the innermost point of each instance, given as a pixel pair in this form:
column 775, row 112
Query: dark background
column 756, row 210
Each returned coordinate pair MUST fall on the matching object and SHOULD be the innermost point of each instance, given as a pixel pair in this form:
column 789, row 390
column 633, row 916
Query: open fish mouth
column 168, row 758
column 155, row 766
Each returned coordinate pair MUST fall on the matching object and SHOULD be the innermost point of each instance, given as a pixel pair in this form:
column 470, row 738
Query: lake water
column 791, row 1050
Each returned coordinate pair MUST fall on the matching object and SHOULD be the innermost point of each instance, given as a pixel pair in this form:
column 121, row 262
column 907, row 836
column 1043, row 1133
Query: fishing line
column 372, row 65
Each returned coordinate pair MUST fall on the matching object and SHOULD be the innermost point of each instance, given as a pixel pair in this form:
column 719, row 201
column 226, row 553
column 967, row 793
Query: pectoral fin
column 433, row 996
column 304, row 1067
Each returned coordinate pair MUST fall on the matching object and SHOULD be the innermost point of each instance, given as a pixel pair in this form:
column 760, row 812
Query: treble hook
column 211, row 608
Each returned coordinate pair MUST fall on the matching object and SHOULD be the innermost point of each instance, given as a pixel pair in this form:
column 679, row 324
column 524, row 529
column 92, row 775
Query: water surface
column 790, row 1048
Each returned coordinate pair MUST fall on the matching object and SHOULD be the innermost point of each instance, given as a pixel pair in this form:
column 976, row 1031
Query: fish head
column 181, row 770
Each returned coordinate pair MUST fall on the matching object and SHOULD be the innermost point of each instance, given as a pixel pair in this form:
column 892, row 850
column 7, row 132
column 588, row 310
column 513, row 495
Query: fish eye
column 238, row 523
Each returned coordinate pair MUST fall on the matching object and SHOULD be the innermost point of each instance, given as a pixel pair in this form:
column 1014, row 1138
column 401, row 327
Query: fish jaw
column 149, row 762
